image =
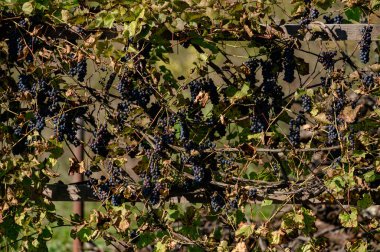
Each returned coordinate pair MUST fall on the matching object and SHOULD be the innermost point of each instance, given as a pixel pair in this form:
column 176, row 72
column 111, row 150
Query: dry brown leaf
column 203, row 98
column 240, row 247
column 75, row 166
column 350, row 114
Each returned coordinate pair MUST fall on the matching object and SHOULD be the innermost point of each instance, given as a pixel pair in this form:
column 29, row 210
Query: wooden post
column 78, row 206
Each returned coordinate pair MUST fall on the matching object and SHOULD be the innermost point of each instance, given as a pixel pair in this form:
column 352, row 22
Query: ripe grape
column 23, row 83
column 289, row 64
column 365, row 44
column 207, row 86
column 306, row 103
column 327, row 59
column 252, row 64
column 332, row 134
column 368, row 80
column 82, row 70
column 252, row 193
column 217, row 202
column 294, row 133
column 314, row 13
column 100, row 143
column 257, row 125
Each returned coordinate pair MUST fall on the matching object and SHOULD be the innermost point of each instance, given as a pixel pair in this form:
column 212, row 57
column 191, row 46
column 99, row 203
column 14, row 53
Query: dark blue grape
column 306, row 103
column 199, row 174
column 327, row 59
column 100, row 143
column 332, row 134
column 82, row 70
column 314, row 13
column 217, row 202
column 252, row 64
column 289, row 64
column 365, row 44
column 368, row 80
column 24, row 82
column 294, row 133
column 338, row 19
column 252, row 193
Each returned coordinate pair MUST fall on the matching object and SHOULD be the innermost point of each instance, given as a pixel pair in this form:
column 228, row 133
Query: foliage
column 224, row 135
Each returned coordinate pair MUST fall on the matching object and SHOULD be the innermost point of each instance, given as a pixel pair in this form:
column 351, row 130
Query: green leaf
column 358, row 246
column 84, row 234
column 371, row 176
column 365, row 202
column 324, row 4
column 145, row 239
column 108, row 20
column 309, row 221
column 245, row 230
column 349, row 219
column 47, row 233
column 375, row 4
column 353, row 13
column 27, row 8
column 266, row 202
column 173, row 214
column 160, row 247
column 243, row 92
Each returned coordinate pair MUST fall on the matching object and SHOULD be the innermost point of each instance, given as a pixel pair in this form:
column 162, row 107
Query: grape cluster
column 289, row 64
column 162, row 141
column 365, row 44
column 234, row 202
column 138, row 95
column 252, row 193
column 199, row 174
column 151, row 191
column 65, row 125
column 332, row 134
column 21, row 143
column 206, row 85
column 260, row 117
column 24, row 82
column 252, row 64
column 217, row 202
column 326, row 82
column 184, row 133
column 79, row 69
column 271, row 91
column 154, row 166
column 295, row 129
column 327, row 59
column 306, row 103
column 105, row 188
column 41, row 86
column 308, row 16
column 38, row 123
column 100, row 143
column 123, row 109
column 338, row 19
column 314, row 14
column 257, row 125
column 337, row 105
column 368, row 80
column 294, row 133
column 215, row 126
